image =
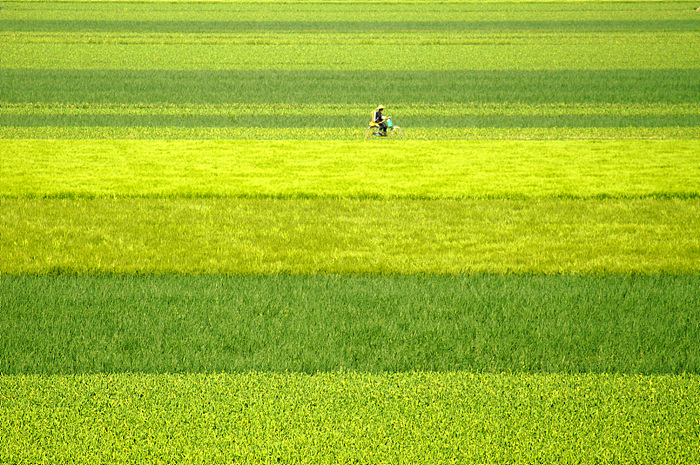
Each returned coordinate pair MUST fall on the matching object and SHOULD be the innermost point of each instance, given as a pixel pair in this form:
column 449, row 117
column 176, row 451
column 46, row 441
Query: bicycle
column 392, row 132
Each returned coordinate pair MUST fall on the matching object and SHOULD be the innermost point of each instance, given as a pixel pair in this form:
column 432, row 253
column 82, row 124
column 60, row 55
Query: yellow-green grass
column 346, row 417
column 561, row 52
column 306, row 236
column 345, row 133
column 350, row 169
column 514, row 70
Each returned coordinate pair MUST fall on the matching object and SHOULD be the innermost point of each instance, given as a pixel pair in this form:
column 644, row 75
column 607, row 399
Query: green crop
column 306, row 236
column 357, row 87
column 298, row 36
column 306, row 121
column 348, row 417
column 452, row 300
column 321, row 323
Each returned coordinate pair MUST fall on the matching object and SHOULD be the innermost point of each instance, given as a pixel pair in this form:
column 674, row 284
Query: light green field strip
column 263, row 236
column 560, row 52
column 347, row 417
column 352, row 169
column 413, row 10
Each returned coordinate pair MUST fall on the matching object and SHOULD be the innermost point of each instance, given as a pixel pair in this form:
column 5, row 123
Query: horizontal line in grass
column 346, row 134
column 368, row 196
column 350, row 121
column 369, row 26
column 408, row 168
column 348, row 109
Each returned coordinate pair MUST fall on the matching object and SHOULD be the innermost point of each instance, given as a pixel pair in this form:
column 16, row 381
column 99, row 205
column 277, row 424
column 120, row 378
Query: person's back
column 379, row 119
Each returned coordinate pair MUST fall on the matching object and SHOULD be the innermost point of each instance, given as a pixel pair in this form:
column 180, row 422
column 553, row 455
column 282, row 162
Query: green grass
column 315, row 12
column 349, row 417
column 356, row 87
column 349, row 236
column 211, row 324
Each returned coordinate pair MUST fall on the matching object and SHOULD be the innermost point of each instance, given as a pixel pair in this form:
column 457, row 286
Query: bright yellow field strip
column 357, row 169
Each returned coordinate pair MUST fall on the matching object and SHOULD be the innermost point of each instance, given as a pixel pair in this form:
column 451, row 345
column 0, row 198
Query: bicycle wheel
column 371, row 131
column 396, row 133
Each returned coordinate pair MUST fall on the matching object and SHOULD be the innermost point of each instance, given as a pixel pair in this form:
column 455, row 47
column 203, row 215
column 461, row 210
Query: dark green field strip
column 351, row 121
column 348, row 87
column 171, row 26
column 167, row 324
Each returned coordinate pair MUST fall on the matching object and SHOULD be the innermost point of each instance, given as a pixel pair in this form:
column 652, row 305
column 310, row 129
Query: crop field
column 204, row 260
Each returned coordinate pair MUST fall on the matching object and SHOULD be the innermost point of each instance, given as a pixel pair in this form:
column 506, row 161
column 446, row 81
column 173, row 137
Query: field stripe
column 307, row 236
column 60, row 325
column 347, row 133
column 436, row 120
column 667, row 54
column 274, row 87
column 342, row 26
column 350, row 169
column 346, row 417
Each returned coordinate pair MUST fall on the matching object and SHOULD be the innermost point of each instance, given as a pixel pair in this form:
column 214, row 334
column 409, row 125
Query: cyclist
column 380, row 120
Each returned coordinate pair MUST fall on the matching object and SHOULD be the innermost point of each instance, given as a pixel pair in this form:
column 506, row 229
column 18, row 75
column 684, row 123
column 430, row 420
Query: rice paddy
column 203, row 260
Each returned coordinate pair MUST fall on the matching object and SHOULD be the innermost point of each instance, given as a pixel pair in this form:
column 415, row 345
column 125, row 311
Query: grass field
column 350, row 417
column 349, row 236
column 370, row 323
column 202, row 259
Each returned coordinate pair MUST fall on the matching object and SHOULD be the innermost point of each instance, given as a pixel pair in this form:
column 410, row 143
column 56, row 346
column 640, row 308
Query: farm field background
column 203, row 260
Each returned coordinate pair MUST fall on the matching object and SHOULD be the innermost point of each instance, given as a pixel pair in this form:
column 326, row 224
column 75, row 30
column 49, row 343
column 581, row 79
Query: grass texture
column 360, row 169
column 352, row 87
column 350, row 417
column 349, row 236
column 211, row 324
column 299, row 36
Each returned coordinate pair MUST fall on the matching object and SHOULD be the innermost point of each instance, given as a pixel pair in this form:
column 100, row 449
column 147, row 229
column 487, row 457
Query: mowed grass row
column 349, row 236
column 346, row 207
column 371, row 324
column 349, row 417
column 350, row 169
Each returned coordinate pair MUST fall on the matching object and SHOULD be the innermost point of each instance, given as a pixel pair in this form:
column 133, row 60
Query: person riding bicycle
column 380, row 120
